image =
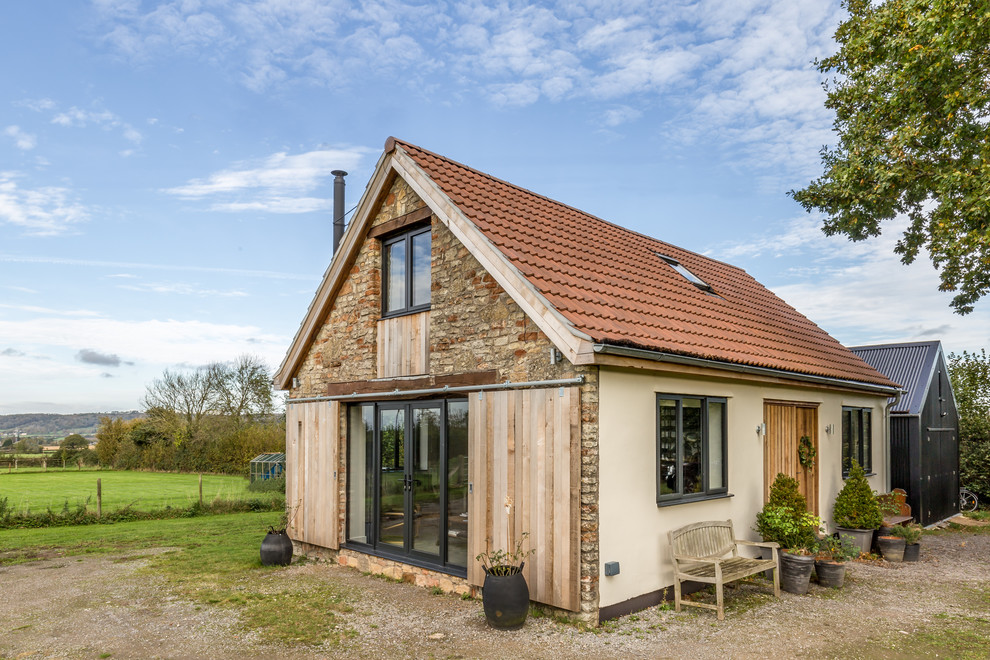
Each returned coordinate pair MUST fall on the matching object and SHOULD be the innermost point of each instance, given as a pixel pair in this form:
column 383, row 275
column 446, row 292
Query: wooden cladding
column 786, row 424
column 406, row 221
column 404, row 345
column 524, row 467
column 311, row 450
column 466, row 379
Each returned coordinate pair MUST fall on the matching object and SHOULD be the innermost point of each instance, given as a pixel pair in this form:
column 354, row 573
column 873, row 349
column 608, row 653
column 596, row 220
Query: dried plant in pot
column 505, row 594
column 856, row 512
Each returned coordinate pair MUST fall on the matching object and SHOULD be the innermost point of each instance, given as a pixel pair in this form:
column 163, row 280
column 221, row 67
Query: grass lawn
column 142, row 491
column 217, row 562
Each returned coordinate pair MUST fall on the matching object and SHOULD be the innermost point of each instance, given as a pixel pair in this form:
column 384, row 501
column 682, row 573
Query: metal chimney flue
column 338, row 208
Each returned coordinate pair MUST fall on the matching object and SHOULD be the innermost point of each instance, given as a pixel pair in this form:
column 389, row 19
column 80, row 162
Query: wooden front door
column 786, row 423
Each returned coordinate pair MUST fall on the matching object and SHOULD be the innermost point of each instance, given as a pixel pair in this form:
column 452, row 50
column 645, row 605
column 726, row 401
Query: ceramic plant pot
column 276, row 549
column 891, row 547
column 506, row 600
column 830, row 573
column 912, row 552
column 795, row 572
column 863, row 538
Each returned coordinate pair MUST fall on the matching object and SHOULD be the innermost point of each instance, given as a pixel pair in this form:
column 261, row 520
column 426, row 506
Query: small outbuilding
column 924, row 427
column 267, row 466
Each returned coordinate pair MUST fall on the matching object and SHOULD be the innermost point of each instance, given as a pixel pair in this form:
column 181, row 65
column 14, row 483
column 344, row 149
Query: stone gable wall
column 474, row 326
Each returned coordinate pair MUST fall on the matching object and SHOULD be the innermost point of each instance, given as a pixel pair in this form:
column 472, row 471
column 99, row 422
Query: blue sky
column 165, row 187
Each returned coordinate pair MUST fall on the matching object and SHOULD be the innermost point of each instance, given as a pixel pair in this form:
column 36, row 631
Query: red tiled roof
column 612, row 285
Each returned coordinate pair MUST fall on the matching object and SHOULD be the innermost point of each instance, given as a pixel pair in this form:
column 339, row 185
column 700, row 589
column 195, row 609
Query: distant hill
column 58, row 426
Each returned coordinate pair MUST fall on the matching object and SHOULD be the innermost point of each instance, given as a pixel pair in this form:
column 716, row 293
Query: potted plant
column 785, row 520
column 276, row 547
column 830, row 559
column 505, row 594
column 856, row 512
column 912, row 540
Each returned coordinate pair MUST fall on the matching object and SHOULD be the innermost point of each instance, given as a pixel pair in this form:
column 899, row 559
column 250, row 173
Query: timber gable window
column 406, row 272
column 691, row 448
column 856, row 439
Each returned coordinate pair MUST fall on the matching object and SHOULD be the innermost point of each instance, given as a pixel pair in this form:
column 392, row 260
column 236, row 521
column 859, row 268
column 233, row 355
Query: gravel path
column 100, row 607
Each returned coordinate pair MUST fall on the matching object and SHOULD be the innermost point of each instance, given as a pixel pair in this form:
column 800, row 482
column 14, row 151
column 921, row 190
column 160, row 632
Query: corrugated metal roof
column 910, row 364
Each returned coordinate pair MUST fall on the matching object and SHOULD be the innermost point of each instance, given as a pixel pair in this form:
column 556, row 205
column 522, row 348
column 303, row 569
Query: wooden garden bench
column 708, row 552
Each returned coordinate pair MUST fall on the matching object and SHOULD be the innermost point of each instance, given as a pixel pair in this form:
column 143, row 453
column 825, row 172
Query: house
column 924, row 427
column 481, row 363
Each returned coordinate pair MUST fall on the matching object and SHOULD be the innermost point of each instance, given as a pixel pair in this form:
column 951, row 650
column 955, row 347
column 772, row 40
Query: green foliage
column 856, row 506
column 785, row 518
column 970, row 374
column 911, row 101
column 273, row 485
column 910, row 533
column 503, row 562
column 840, row 549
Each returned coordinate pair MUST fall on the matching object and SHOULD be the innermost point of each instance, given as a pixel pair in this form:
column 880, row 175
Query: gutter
column 657, row 356
column 507, row 385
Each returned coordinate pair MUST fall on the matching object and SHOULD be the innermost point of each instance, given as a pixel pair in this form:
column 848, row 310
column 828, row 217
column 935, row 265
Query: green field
column 141, row 491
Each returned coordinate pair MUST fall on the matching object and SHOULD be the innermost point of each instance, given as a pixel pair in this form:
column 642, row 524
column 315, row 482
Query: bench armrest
column 758, row 544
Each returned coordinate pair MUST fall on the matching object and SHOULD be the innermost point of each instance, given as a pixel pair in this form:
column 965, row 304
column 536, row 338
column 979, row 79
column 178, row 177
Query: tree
column 970, row 374
column 112, row 432
column 73, row 447
column 911, row 95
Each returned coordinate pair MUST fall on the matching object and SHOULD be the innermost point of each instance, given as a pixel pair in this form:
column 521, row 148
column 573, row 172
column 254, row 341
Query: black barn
column 924, row 427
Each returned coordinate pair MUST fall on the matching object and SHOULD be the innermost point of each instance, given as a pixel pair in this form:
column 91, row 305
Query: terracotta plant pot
column 830, row 573
column 912, row 552
column 795, row 572
column 891, row 547
column 863, row 538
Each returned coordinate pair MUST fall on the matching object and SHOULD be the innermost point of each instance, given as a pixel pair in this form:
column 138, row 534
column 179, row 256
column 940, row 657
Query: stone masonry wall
column 474, row 326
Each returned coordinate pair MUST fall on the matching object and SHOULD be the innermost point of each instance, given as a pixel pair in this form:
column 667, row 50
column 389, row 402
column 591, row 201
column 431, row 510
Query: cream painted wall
column 633, row 529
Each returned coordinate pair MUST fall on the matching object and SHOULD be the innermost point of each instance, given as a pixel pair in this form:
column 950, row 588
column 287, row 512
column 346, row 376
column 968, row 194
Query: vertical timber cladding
column 311, row 451
column 524, row 465
column 404, row 345
column 787, row 422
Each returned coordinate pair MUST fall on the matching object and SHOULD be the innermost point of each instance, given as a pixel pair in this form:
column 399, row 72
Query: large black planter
column 912, row 552
column 506, row 600
column 830, row 573
column 276, row 549
column 795, row 572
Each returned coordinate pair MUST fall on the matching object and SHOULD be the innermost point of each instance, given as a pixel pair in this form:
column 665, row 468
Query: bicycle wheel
column 967, row 501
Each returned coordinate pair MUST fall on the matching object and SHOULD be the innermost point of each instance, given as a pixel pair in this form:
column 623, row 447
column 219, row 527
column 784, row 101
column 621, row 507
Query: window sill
column 405, row 312
column 691, row 500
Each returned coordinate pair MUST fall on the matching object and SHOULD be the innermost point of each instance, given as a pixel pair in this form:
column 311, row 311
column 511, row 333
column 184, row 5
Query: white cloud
column 620, row 115
column 79, row 118
column 24, row 141
column 240, row 272
column 183, row 289
column 45, row 211
column 277, row 184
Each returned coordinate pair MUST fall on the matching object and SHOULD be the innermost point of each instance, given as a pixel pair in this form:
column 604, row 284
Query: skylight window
column 686, row 274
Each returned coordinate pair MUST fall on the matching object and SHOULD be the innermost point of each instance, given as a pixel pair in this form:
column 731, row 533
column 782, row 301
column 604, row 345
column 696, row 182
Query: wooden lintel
column 401, row 222
column 406, row 384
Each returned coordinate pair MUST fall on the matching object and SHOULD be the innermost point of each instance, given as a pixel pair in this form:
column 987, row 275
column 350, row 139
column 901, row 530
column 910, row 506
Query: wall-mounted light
column 761, row 430
column 829, row 429
column 555, row 355
column 295, row 383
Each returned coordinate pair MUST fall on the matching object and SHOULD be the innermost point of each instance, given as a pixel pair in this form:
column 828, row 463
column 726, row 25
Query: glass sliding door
column 407, row 484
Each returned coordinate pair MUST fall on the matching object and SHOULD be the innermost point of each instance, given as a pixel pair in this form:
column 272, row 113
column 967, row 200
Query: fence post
column 201, row 490
column 44, row 464
column 99, row 499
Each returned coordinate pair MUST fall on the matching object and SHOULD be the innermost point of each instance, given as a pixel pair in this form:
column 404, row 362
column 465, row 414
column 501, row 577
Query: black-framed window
column 857, row 434
column 406, row 272
column 692, row 448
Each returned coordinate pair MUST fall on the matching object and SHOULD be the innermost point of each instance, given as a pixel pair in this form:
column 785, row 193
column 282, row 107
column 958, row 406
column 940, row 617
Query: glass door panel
column 424, row 473
column 392, row 487
column 457, row 482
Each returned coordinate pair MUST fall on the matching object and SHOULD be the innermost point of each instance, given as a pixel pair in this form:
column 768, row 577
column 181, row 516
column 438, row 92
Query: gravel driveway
column 102, row 607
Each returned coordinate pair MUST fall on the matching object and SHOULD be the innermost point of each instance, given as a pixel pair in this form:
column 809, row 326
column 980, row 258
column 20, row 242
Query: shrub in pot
column 778, row 519
column 856, row 512
column 831, row 556
column 505, row 594
column 912, row 540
